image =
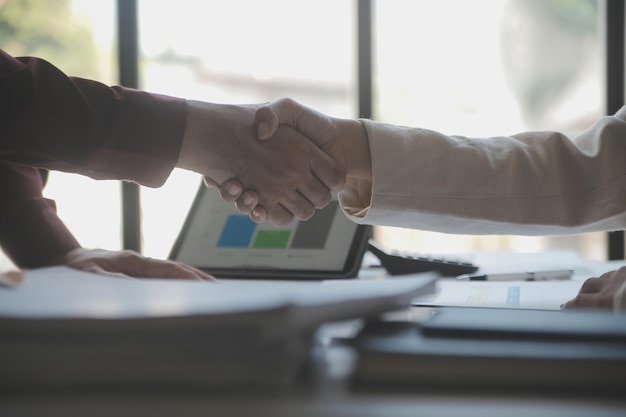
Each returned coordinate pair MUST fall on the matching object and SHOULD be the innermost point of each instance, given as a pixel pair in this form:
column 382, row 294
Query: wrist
column 189, row 152
column 356, row 149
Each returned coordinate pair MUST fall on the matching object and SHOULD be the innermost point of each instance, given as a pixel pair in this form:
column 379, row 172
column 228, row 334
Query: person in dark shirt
column 53, row 121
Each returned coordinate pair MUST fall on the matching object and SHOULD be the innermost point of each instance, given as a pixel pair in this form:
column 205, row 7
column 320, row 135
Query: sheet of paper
column 548, row 295
column 63, row 292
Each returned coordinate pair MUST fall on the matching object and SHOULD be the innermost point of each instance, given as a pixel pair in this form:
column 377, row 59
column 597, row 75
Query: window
column 484, row 68
column 76, row 36
column 475, row 68
column 240, row 51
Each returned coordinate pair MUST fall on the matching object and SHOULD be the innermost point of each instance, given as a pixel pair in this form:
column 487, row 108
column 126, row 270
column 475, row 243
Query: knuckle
column 323, row 199
column 242, row 207
column 305, row 213
column 281, row 218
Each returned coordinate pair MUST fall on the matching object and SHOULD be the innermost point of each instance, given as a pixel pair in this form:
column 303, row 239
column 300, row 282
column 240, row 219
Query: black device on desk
column 397, row 263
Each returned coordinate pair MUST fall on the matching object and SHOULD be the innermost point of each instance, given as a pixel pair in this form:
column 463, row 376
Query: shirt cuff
column 148, row 137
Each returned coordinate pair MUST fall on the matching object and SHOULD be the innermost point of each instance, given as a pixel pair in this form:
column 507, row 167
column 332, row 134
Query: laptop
column 219, row 240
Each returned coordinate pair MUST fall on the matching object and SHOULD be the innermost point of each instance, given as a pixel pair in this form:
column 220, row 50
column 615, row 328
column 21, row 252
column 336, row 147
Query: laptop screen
column 218, row 239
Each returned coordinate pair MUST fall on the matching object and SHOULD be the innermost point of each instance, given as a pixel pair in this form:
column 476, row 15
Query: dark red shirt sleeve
column 50, row 120
column 31, row 233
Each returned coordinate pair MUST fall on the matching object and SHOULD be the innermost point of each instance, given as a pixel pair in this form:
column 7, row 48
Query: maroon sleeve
column 31, row 233
column 50, row 120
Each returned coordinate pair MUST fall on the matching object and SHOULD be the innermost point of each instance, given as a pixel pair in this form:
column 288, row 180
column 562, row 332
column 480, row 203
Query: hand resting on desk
column 116, row 263
column 128, row 263
column 605, row 292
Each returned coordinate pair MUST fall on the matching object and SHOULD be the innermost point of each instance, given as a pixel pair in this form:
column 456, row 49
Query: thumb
column 317, row 127
column 266, row 121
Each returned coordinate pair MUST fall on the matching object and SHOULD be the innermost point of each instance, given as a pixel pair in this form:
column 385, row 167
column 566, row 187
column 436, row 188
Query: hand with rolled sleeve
column 53, row 121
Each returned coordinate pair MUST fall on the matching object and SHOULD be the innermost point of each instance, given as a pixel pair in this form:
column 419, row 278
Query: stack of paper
column 64, row 328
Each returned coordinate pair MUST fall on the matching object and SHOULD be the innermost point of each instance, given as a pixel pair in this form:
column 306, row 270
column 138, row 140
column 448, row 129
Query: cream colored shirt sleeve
column 532, row 183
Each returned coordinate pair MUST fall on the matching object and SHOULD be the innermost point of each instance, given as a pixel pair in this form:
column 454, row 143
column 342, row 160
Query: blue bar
column 513, row 296
column 237, row 232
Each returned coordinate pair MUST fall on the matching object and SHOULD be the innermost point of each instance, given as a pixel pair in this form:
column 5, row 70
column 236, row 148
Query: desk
column 324, row 392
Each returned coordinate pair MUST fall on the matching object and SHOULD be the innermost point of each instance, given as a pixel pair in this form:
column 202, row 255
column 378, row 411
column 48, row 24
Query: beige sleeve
column 532, row 183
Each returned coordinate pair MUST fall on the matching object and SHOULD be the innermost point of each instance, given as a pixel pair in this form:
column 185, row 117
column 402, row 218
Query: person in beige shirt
column 532, row 183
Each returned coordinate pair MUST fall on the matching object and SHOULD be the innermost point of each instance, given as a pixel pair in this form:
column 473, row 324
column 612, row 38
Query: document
column 542, row 295
column 520, row 294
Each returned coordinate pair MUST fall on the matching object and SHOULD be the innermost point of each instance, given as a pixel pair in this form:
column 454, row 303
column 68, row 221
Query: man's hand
column 128, row 263
column 290, row 174
column 344, row 140
column 599, row 292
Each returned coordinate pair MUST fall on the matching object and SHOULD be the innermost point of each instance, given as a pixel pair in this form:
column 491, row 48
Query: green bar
column 271, row 239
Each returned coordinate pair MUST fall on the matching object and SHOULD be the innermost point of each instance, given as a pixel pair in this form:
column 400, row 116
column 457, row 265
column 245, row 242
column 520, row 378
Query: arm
column 534, row 183
column 33, row 236
column 77, row 125
column 31, row 233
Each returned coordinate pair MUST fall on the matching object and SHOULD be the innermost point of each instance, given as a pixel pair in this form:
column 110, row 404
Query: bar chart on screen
column 241, row 232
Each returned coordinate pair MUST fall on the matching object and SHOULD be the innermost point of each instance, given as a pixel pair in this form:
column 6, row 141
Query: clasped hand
column 288, row 176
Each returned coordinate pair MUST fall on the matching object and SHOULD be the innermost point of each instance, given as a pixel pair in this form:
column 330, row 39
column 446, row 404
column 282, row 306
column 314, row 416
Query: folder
column 494, row 349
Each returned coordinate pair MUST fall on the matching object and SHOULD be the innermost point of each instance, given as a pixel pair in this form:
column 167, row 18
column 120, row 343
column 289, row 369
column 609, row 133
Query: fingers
column 12, row 278
column 589, row 301
column 591, row 286
column 300, row 205
column 231, row 190
column 259, row 214
column 129, row 263
column 247, row 202
column 279, row 216
column 209, row 182
column 599, row 292
column 154, row 268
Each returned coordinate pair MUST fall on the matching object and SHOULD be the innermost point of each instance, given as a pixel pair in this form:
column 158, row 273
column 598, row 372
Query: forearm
column 532, row 183
column 31, row 233
column 75, row 125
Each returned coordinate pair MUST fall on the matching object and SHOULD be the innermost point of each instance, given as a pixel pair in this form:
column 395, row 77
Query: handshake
column 279, row 161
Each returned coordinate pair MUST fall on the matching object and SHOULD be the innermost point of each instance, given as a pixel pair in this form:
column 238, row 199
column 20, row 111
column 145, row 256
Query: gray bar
column 313, row 233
